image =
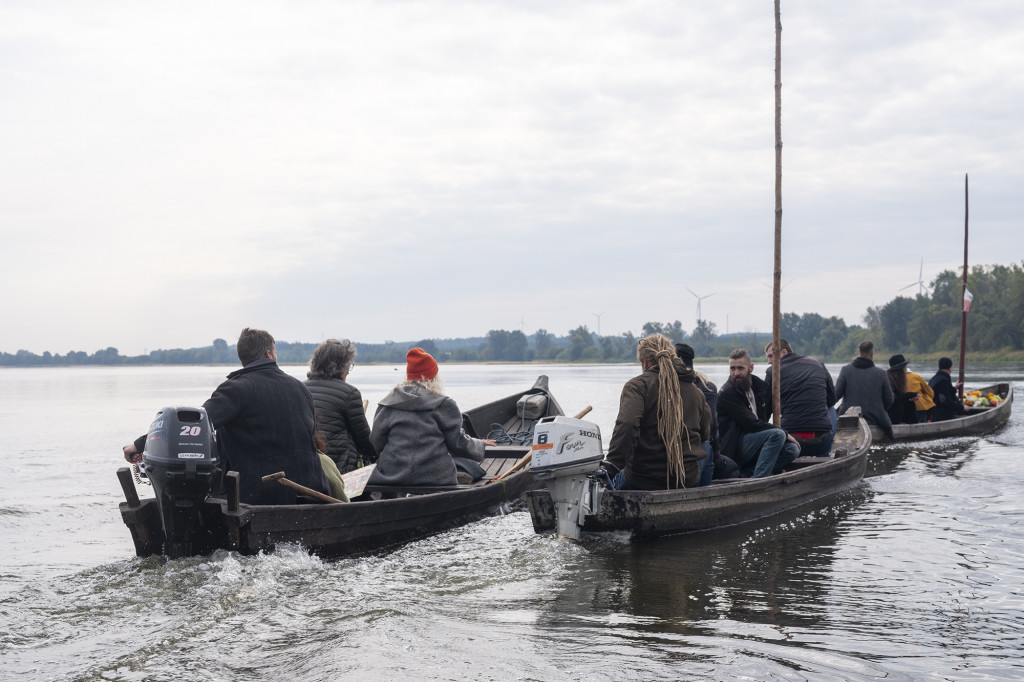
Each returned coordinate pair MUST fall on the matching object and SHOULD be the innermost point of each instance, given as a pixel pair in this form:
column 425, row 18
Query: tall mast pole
column 776, row 285
column 963, row 311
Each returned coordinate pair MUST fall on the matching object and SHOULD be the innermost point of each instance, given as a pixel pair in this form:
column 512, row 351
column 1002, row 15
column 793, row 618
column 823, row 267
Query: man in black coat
column 808, row 398
column 745, row 434
column 264, row 422
column 947, row 400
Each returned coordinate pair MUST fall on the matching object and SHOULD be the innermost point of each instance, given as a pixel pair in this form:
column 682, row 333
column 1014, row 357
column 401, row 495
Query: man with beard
column 744, row 432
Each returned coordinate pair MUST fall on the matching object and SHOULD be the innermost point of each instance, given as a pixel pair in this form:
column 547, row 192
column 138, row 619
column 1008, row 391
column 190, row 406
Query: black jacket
column 264, row 424
column 735, row 419
column 947, row 402
column 341, row 417
column 807, row 392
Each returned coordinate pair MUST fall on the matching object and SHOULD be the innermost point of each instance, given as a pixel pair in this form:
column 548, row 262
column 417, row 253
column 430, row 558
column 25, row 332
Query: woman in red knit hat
column 417, row 429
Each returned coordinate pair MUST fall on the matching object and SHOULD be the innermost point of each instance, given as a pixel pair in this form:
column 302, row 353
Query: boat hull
column 643, row 514
column 977, row 422
column 384, row 515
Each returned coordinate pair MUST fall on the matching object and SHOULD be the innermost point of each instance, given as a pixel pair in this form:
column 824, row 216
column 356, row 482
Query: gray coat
column 861, row 383
column 414, row 431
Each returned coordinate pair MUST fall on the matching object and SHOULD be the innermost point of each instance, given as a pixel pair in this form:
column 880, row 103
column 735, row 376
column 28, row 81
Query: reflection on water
column 915, row 573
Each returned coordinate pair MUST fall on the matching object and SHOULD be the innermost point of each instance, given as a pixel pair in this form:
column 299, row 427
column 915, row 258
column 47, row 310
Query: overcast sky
column 173, row 172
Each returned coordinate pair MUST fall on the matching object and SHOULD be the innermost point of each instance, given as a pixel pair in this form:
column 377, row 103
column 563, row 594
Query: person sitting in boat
column 265, row 423
column 715, row 464
column 808, row 398
column 904, row 404
column 863, row 385
column 744, row 410
column 925, row 395
column 947, row 401
column 339, row 406
column 663, row 421
column 416, row 427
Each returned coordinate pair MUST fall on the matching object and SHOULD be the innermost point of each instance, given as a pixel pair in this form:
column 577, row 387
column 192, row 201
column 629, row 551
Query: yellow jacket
column 917, row 384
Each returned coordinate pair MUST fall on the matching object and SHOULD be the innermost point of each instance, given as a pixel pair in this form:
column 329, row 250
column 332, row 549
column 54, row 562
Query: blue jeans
column 769, row 451
column 707, row 465
column 824, row 446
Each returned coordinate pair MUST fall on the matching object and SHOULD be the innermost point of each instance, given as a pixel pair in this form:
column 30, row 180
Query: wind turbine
column 699, row 299
column 919, row 282
column 598, row 316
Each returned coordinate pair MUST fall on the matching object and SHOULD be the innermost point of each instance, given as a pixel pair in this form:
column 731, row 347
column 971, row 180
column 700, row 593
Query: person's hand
column 959, row 385
column 793, row 440
column 490, row 443
column 915, row 397
column 131, row 453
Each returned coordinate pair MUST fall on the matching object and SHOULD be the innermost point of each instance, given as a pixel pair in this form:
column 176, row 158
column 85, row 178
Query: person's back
column 417, row 429
column 638, row 446
column 264, row 423
column 807, row 395
column 862, row 384
column 947, row 402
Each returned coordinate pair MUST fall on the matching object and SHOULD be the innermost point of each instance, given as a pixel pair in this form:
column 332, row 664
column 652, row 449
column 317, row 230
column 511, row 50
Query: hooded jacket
column 414, row 431
column 862, row 384
column 637, row 449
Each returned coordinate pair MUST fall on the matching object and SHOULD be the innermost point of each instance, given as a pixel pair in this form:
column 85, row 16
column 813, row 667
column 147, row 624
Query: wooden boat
column 977, row 422
column 382, row 515
column 641, row 514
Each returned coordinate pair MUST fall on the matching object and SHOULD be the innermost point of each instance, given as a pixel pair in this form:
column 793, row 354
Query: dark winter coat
column 342, row 419
column 414, row 431
column 637, row 449
column 806, row 394
column 264, row 423
column 735, row 419
column 947, row 402
column 866, row 386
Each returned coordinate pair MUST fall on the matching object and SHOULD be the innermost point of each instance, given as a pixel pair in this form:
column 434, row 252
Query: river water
column 917, row 573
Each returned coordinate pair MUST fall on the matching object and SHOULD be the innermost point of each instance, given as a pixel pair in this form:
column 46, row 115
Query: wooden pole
column 316, row 494
column 777, row 280
column 963, row 311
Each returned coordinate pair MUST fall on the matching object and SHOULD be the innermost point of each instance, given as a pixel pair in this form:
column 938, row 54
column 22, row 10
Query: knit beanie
column 419, row 365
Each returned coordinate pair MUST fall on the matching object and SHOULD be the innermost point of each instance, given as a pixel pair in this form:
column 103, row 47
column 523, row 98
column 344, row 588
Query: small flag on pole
column 968, row 297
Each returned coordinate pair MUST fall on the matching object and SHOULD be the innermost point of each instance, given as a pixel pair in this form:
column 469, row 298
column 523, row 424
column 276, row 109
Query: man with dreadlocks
column 663, row 421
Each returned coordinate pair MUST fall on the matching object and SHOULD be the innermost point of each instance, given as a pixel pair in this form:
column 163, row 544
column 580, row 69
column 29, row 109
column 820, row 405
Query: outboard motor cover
column 565, row 452
column 180, row 463
column 564, row 446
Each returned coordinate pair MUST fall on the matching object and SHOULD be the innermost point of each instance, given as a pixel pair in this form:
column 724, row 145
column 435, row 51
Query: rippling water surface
column 918, row 572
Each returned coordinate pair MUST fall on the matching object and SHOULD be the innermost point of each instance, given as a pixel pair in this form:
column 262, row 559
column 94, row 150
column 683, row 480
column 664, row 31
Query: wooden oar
column 525, row 459
column 279, row 477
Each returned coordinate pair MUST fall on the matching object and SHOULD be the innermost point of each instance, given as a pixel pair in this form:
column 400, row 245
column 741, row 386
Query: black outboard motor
column 180, row 463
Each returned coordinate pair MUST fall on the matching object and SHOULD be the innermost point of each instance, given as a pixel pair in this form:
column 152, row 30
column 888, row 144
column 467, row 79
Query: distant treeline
column 926, row 323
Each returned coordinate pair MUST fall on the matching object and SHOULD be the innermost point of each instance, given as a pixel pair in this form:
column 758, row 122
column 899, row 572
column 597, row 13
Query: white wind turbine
column 699, row 299
column 920, row 281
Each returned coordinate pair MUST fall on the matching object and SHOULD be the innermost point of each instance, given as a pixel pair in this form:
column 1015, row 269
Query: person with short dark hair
column 715, row 464
column 417, row 429
column 264, row 422
column 947, row 400
column 808, row 398
column 339, row 405
column 863, row 385
column 744, row 408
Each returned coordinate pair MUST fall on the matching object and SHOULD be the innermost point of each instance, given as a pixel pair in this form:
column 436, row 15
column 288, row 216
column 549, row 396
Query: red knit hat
column 419, row 365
